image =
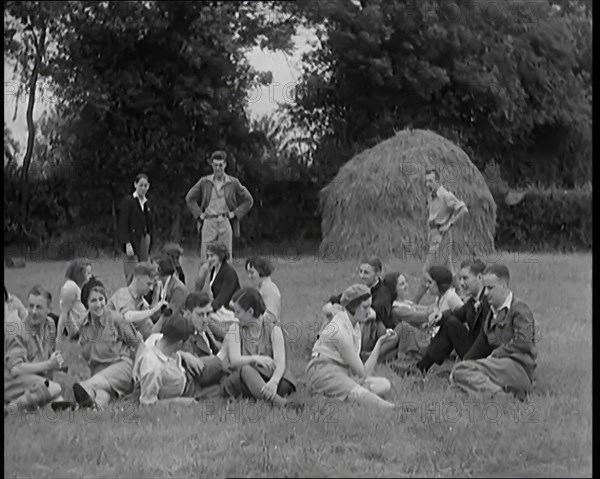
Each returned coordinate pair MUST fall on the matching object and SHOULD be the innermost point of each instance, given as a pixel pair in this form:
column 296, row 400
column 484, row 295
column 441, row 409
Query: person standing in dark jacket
column 135, row 226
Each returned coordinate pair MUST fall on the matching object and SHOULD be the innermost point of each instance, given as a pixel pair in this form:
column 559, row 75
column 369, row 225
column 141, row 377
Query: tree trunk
column 39, row 53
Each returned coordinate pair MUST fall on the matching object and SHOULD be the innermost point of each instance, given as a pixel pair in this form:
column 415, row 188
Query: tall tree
column 503, row 80
column 28, row 29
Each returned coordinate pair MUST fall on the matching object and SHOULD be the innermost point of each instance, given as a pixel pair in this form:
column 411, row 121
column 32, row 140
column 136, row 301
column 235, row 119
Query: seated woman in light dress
column 259, row 271
column 336, row 369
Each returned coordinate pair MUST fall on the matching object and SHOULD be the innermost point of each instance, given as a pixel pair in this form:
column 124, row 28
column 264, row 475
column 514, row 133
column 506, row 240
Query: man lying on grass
column 161, row 369
column 30, row 356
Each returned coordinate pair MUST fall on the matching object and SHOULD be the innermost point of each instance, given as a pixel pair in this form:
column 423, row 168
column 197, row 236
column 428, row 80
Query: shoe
column 82, row 397
column 63, row 405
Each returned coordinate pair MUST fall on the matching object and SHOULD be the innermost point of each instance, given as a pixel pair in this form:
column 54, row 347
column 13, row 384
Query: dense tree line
column 156, row 86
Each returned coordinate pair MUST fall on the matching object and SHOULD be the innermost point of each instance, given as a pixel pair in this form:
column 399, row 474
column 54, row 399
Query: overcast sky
column 286, row 70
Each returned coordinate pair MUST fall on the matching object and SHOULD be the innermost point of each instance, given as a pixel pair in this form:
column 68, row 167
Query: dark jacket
column 466, row 314
column 133, row 222
column 224, row 286
column 512, row 334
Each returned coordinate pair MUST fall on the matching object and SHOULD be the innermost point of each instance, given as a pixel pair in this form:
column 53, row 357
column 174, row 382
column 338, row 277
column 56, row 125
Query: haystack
column 377, row 202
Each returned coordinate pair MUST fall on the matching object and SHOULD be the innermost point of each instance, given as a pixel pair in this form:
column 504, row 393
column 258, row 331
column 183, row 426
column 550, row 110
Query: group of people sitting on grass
column 155, row 340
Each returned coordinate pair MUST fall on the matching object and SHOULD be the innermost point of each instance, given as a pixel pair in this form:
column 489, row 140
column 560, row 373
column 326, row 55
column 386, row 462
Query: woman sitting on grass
column 336, row 369
column 72, row 310
column 259, row 271
column 255, row 349
column 109, row 345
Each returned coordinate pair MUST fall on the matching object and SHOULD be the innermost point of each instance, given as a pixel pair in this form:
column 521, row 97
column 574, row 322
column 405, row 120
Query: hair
column 353, row 305
column 174, row 250
column 76, row 270
column 220, row 250
column 5, row 294
column 97, row 288
column 176, row 328
column 197, row 300
column 374, row 261
column 248, row 298
column 476, row 266
column 165, row 265
column 41, row 291
column 498, row 270
column 141, row 176
column 262, row 266
column 436, row 175
column 389, row 282
column 87, row 290
column 442, row 277
column 218, row 155
column 144, row 268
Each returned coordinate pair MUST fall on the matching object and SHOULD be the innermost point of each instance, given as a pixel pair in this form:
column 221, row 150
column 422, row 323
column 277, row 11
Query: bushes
column 545, row 220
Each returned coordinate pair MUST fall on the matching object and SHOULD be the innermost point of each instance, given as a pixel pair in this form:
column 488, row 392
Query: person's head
column 495, row 281
column 174, row 250
column 402, row 287
column 143, row 278
column 432, row 179
column 356, row 299
column 197, row 308
column 216, row 253
column 141, row 185
column 218, row 161
column 369, row 270
column 258, row 269
column 79, row 271
column 175, row 330
column 248, row 305
column 97, row 301
column 439, row 279
column 165, row 266
column 471, row 276
column 85, row 292
column 39, row 300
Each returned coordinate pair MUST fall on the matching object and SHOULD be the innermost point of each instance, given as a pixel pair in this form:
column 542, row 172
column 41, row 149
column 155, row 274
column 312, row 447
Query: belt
column 222, row 215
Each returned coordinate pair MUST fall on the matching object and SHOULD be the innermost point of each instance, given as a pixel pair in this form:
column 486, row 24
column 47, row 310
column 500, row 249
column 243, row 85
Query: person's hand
column 389, row 335
column 265, row 362
column 231, row 215
column 194, row 365
column 371, row 314
column 129, row 249
column 433, row 319
column 269, row 390
column 56, row 361
column 202, row 217
column 161, row 303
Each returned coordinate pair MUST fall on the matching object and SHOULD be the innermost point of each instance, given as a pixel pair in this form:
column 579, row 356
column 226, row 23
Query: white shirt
column 141, row 200
column 506, row 304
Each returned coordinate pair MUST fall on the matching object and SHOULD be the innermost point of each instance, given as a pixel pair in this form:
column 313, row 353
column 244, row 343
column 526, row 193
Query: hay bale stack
column 377, row 201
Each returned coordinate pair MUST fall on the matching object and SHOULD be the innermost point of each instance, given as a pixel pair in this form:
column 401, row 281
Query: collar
column 130, row 289
column 142, row 201
column 507, row 303
column 376, row 284
column 36, row 329
column 102, row 319
column 226, row 179
column 436, row 193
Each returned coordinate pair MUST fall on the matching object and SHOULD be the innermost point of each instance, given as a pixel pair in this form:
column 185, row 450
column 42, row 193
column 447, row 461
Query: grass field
column 550, row 435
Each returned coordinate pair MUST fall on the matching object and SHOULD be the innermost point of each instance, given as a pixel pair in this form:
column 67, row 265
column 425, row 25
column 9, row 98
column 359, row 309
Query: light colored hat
column 355, row 292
